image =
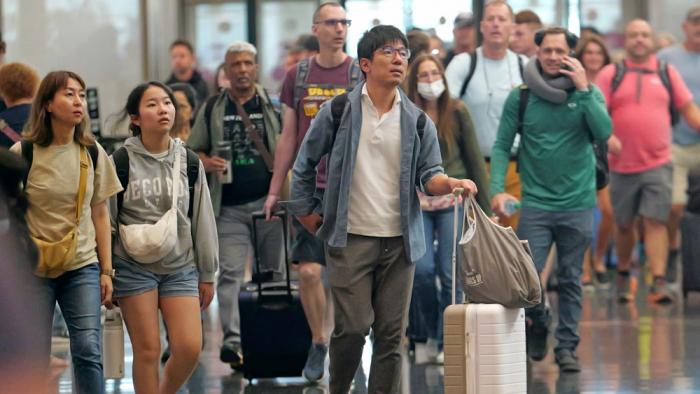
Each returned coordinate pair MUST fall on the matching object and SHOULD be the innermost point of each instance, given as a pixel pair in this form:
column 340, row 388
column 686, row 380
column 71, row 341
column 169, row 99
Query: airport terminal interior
column 638, row 346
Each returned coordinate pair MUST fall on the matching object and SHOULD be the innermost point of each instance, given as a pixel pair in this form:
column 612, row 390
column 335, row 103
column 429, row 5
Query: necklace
column 489, row 90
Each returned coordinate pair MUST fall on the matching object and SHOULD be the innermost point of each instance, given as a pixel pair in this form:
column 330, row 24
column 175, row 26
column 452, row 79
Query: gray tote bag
column 496, row 266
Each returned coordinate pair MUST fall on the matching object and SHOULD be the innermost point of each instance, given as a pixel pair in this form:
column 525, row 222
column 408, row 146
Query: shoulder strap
column 472, row 67
column 666, row 81
column 420, row 125
column 208, row 108
column 94, row 154
column 522, row 107
column 354, row 73
column 192, row 175
column 82, row 185
column 300, row 79
column 620, row 70
column 337, row 107
column 121, row 164
column 520, row 66
column 9, row 131
column 28, row 156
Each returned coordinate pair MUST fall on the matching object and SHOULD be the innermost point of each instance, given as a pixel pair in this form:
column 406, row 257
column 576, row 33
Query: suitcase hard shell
column 484, row 348
column 484, row 344
column 690, row 252
column 275, row 337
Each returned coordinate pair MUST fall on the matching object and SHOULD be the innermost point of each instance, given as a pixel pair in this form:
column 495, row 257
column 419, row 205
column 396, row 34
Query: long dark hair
column 38, row 129
column 134, row 100
column 446, row 105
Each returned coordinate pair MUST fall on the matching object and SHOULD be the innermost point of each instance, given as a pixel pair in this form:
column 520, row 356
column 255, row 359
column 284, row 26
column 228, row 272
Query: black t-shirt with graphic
column 251, row 179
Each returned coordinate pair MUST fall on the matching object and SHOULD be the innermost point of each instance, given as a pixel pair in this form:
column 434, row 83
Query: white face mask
column 431, row 91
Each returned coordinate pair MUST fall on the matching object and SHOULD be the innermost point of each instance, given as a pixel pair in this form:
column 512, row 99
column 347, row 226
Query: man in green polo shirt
column 564, row 114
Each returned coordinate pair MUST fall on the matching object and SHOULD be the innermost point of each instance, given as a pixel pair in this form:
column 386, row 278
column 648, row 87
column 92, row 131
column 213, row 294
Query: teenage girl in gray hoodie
column 180, row 284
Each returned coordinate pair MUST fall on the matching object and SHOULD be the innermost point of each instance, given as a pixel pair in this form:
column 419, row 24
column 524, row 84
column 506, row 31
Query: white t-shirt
column 374, row 208
column 487, row 91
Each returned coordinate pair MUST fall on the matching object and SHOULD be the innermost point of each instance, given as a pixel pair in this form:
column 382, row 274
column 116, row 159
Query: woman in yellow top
column 58, row 140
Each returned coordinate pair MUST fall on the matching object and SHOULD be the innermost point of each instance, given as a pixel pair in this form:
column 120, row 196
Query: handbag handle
column 456, row 193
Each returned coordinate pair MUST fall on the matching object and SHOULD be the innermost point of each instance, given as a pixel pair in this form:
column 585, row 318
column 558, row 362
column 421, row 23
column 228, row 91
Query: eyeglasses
column 334, row 22
column 389, row 51
column 427, row 75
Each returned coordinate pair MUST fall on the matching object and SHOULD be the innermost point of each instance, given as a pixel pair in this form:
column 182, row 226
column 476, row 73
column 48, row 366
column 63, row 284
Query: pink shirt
column 640, row 115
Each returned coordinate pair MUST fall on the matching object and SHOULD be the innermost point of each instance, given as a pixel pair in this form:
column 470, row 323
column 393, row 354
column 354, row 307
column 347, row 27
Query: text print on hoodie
column 149, row 196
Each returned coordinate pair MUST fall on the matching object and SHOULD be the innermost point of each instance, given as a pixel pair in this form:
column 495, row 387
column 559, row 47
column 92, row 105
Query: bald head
column 639, row 40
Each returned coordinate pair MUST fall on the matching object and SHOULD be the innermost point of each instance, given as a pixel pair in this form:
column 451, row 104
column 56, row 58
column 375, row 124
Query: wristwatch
column 110, row 272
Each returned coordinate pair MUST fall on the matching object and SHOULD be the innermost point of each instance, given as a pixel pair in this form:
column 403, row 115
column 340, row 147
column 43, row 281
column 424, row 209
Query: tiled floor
column 624, row 349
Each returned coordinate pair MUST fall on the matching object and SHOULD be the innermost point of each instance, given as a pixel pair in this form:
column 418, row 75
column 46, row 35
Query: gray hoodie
column 149, row 196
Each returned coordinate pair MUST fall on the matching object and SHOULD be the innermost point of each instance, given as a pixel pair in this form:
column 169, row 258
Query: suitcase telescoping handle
column 259, row 215
column 455, row 194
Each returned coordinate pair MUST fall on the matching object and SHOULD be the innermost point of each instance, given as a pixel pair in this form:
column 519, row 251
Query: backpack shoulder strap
column 337, row 108
column 420, row 125
column 520, row 66
column 208, row 108
column 300, row 79
column 522, row 107
column 472, row 67
column 666, row 81
column 121, row 164
column 354, row 73
column 620, row 70
column 28, row 156
column 94, row 154
column 192, row 175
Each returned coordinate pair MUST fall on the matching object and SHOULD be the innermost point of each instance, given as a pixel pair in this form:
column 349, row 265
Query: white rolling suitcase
column 484, row 346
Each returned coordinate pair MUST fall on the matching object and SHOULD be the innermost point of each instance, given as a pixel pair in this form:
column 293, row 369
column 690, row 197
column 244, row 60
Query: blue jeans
column 427, row 305
column 571, row 232
column 78, row 296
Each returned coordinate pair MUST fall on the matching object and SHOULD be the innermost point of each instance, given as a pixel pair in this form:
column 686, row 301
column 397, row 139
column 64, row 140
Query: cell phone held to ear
column 564, row 66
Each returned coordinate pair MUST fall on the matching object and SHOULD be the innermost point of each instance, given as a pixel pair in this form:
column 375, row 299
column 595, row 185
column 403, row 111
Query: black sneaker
column 536, row 336
column 602, row 279
column 315, row 362
column 232, row 354
column 568, row 361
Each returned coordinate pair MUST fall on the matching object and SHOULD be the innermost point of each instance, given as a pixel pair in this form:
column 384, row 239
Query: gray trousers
column 235, row 230
column 371, row 281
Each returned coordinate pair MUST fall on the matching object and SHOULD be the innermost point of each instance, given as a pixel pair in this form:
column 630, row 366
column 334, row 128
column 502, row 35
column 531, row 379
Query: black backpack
column 662, row 72
column 602, row 174
column 472, row 68
column 121, row 163
column 338, row 107
column 28, row 155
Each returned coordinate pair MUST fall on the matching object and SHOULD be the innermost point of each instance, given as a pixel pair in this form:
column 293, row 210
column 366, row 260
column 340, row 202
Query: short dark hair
column 377, row 37
column 324, row 5
column 182, row 43
column 571, row 38
column 529, row 17
column 187, row 90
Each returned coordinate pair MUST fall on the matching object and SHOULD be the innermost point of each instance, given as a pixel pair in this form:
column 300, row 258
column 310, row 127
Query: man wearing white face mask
column 461, row 158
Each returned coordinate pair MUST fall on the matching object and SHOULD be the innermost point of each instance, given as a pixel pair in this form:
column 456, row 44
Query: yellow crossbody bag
column 53, row 256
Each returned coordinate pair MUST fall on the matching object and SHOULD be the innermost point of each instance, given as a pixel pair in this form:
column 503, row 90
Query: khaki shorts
column 684, row 157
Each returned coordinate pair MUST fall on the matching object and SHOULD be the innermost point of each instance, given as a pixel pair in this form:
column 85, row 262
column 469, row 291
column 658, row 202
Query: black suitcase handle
column 259, row 215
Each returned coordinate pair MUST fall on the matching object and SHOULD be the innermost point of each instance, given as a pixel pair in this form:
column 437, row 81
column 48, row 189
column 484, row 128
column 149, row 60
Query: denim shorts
column 132, row 279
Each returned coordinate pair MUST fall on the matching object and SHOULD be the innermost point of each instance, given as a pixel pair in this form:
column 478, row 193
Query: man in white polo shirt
column 381, row 147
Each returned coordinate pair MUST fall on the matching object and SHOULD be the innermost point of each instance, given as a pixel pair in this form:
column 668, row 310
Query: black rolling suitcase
column 690, row 235
column 275, row 336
